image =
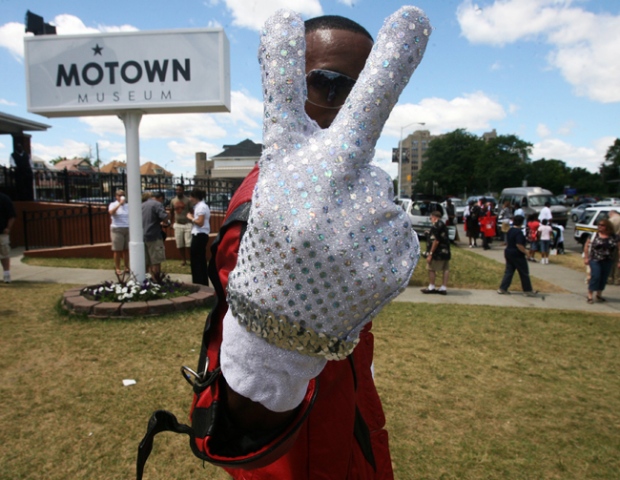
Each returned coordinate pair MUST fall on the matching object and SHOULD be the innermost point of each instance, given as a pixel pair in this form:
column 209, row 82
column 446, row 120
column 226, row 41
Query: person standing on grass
column 153, row 214
column 182, row 225
column 200, row 236
column 614, row 276
column 600, row 252
column 438, row 255
column 7, row 219
column 545, row 231
column 336, row 431
column 515, row 256
column 119, row 231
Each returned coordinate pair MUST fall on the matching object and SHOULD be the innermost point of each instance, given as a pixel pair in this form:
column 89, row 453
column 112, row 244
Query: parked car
column 577, row 212
column 609, row 201
column 588, row 222
column 459, row 207
column 533, row 199
column 420, row 219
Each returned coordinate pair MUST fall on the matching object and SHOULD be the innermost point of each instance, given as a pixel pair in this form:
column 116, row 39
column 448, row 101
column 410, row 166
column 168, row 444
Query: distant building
column 235, row 162
column 75, row 165
column 40, row 165
column 152, row 169
column 115, row 166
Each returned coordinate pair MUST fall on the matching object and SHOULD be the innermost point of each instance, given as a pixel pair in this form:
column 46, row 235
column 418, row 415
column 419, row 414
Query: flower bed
column 130, row 298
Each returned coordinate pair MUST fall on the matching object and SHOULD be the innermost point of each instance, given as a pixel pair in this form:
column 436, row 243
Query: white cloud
column 584, row 45
column 474, row 111
column 12, row 38
column 566, row 128
column 7, row 102
column 253, row 13
column 68, row 149
column 543, row 130
column 70, row 24
column 589, row 158
column 12, row 33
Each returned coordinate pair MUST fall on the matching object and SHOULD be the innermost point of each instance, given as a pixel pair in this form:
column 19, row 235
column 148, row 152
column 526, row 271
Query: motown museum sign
column 103, row 74
column 128, row 75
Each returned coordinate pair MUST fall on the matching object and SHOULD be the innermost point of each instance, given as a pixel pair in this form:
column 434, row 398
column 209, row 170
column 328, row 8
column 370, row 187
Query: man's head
column 159, row 196
column 180, row 190
column 334, row 45
column 614, row 213
column 435, row 216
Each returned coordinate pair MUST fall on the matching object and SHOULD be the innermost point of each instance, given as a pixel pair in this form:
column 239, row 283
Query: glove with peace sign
column 326, row 247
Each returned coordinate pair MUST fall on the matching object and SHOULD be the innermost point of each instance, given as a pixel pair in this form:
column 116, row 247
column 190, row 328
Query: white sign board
column 104, row 74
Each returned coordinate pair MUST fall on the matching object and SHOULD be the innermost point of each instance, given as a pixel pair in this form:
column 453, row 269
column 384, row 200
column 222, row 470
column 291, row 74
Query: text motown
column 130, row 72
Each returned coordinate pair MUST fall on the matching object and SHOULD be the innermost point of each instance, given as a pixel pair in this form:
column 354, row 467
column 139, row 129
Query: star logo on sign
column 97, row 49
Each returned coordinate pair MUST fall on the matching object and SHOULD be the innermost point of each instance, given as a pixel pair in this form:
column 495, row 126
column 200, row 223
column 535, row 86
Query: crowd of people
column 541, row 233
column 190, row 218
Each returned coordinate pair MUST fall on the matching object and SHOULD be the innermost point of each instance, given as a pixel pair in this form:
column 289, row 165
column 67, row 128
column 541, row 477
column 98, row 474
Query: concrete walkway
column 568, row 279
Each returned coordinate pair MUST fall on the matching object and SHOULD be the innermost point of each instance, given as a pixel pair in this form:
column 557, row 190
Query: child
column 545, row 231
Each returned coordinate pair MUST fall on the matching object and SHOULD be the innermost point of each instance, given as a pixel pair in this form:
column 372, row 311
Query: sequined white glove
column 326, row 246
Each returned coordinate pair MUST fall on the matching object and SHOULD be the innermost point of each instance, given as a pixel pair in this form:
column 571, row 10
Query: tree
column 585, row 181
column 551, row 174
column 610, row 168
column 54, row 161
column 503, row 163
column 449, row 161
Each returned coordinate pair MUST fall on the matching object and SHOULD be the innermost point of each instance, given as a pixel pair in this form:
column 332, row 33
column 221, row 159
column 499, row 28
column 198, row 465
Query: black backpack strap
column 160, row 421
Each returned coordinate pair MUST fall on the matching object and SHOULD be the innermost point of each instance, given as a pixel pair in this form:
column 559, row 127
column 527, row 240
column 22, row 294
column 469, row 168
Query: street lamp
column 400, row 155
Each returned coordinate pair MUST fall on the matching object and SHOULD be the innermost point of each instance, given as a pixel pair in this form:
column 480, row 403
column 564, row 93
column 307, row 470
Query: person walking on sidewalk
column 438, row 255
column 7, row 218
column 515, row 255
column 614, row 276
column 600, row 250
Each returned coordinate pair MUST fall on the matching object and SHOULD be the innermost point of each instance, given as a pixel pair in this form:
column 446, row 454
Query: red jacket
column 344, row 433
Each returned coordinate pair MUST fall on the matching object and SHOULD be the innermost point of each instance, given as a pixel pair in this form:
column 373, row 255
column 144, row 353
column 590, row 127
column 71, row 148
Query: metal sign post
column 131, row 119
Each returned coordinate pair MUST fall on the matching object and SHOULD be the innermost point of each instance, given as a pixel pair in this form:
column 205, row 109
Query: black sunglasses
column 328, row 89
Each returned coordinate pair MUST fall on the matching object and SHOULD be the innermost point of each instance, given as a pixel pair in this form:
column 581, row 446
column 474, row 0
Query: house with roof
column 115, row 166
column 235, row 162
column 75, row 165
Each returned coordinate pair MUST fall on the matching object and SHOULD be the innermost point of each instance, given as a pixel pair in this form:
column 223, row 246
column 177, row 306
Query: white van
column 532, row 200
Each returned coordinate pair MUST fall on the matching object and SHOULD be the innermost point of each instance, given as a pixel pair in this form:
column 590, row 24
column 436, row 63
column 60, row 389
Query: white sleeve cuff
column 274, row 377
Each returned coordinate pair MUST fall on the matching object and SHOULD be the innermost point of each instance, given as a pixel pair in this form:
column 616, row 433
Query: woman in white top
column 200, row 237
column 119, row 231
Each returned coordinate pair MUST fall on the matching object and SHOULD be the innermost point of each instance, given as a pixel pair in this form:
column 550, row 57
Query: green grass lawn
column 469, row 392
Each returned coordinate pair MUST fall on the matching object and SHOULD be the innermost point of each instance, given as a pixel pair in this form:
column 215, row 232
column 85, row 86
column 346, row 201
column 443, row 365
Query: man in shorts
column 153, row 215
column 7, row 218
column 438, row 255
column 182, row 225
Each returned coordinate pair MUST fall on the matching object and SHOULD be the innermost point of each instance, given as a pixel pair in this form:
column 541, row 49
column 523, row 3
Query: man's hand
column 326, row 247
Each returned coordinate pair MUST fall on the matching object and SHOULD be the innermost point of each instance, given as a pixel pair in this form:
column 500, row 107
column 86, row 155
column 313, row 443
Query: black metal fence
column 99, row 188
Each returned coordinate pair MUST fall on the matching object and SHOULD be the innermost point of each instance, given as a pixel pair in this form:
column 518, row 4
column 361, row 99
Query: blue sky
column 544, row 70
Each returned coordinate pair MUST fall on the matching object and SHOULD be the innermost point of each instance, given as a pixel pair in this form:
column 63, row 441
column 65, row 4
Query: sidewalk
column 78, row 276
column 569, row 279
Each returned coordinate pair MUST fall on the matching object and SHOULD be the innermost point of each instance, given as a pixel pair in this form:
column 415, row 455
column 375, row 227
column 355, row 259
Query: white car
column 589, row 221
column 422, row 223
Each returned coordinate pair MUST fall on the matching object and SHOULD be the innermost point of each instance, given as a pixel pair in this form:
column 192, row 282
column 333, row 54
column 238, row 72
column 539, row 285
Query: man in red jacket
column 325, row 446
column 340, row 430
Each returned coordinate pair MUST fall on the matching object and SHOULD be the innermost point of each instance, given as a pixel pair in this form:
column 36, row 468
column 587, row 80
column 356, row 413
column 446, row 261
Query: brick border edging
column 75, row 302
